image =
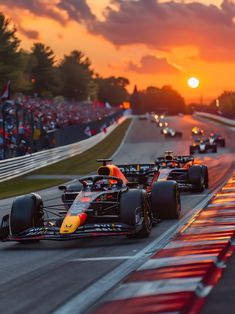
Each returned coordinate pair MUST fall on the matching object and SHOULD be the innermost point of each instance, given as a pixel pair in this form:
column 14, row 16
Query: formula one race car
column 108, row 204
column 217, row 139
column 183, row 170
column 197, row 131
column 170, row 132
column 202, row 146
column 189, row 177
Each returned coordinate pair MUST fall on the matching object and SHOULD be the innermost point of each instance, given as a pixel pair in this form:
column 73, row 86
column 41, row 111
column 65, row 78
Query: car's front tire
column 26, row 212
column 134, row 205
column 165, row 200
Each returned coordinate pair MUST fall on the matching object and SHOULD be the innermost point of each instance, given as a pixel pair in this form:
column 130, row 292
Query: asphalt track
column 44, row 277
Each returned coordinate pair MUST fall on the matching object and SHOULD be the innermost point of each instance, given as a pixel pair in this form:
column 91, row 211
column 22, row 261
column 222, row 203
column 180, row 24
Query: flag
column 107, row 105
column 6, row 91
column 87, row 131
column 104, row 128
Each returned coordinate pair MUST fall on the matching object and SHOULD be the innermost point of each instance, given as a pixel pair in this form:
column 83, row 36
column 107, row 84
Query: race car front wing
column 85, row 231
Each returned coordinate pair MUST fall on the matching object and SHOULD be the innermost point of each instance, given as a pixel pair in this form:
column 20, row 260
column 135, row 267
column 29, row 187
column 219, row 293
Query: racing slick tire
column 205, row 175
column 196, row 178
column 134, row 205
column 191, row 150
column 222, row 143
column 165, row 200
column 26, row 212
column 214, row 149
column 179, row 134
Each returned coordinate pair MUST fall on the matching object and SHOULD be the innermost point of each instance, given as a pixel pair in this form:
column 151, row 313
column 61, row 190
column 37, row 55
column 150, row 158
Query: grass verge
column 78, row 165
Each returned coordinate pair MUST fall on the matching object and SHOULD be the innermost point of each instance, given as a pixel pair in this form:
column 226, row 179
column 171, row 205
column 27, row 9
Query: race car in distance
column 182, row 169
column 197, row 131
column 170, row 132
column 162, row 124
column 99, row 205
column 202, row 146
column 217, row 139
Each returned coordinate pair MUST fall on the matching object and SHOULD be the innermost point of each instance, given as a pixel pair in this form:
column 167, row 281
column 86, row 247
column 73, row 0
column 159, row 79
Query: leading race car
column 99, row 205
column 202, row 146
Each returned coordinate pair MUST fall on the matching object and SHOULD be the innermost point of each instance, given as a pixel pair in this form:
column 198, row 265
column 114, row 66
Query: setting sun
column 193, row 82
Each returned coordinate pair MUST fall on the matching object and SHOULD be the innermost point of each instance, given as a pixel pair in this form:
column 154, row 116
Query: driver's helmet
column 169, row 156
column 102, row 185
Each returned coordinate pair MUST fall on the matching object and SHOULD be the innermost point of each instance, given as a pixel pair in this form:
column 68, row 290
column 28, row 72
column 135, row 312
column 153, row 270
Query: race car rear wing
column 137, row 169
column 138, row 173
column 179, row 159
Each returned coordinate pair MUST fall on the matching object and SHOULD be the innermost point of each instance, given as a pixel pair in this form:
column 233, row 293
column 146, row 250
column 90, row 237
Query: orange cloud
column 155, row 24
column 163, row 25
column 152, row 65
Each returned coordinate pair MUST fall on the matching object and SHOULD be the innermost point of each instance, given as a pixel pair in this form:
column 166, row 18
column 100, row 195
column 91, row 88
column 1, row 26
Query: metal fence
column 224, row 120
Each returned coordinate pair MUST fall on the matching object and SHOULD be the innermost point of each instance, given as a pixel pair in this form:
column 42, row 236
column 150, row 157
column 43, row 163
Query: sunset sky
column 148, row 41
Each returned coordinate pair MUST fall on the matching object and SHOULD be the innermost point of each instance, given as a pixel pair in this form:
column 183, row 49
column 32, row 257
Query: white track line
column 104, row 258
column 124, row 138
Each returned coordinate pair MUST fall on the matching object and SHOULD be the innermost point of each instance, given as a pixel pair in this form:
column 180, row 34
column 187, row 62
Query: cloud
column 150, row 64
column 31, row 34
column 59, row 10
column 76, row 10
column 160, row 26
column 170, row 24
column 43, row 8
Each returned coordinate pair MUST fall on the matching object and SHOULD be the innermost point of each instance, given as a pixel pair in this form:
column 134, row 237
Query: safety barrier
column 214, row 117
column 18, row 166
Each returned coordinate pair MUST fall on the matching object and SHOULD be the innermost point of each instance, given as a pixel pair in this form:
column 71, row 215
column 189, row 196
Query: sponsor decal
column 107, row 227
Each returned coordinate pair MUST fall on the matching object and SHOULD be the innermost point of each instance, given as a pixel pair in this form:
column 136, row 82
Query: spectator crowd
column 27, row 124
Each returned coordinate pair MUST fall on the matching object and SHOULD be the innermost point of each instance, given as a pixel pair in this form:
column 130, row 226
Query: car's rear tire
column 165, row 200
column 26, row 212
column 191, row 150
column 196, row 178
column 222, row 143
column 214, row 149
column 134, row 205
column 205, row 175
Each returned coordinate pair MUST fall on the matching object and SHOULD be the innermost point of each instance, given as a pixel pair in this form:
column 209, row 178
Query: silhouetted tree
column 112, row 90
column 9, row 54
column 166, row 99
column 43, row 74
column 225, row 104
column 135, row 100
column 76, row 75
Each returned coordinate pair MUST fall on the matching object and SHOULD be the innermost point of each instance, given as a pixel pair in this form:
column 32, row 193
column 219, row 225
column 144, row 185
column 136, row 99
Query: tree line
column 37, row 72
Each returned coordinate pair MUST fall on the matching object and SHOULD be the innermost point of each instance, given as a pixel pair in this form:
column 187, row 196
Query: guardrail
column 214, row 117
column 18, row 166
